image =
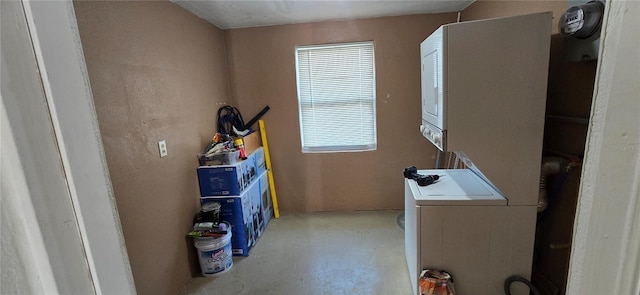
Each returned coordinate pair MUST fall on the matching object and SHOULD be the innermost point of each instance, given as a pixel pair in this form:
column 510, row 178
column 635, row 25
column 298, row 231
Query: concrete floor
column 319, row 253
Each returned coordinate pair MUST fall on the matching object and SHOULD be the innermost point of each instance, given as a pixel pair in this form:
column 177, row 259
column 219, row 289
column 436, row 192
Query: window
column 336, row 97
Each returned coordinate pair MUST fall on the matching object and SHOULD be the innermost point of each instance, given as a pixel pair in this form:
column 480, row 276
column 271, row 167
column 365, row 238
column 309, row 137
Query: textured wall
column 482, row 9
column 157, row 72
column 262, row 72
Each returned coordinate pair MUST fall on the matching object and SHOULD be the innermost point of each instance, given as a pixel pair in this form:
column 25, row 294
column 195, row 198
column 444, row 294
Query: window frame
column 338, row 148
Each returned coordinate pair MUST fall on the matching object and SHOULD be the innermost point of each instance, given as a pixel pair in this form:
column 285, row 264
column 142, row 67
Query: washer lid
column 459, row 187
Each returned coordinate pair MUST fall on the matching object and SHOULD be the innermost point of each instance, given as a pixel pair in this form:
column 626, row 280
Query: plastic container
column 224, row 158
column 214, row 254
column 228, row 158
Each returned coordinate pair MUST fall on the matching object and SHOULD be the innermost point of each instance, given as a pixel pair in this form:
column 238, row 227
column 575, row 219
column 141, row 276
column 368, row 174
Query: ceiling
column 230, row 14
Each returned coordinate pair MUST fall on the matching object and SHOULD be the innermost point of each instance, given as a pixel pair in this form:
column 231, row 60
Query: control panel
column 434, row 134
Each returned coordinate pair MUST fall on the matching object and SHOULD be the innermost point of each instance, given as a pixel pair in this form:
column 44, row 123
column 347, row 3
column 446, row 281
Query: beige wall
column 482, row 9
column 262, row 72
column 157, row 72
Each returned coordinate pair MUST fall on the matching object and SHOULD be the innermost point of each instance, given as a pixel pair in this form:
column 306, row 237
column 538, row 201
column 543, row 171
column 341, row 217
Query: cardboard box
column 260, row 161
column 246, row 214
column 265, row 195
column 252, row 142
column 226, row 180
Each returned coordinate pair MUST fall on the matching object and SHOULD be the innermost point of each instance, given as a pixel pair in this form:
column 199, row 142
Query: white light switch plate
column 162, row 147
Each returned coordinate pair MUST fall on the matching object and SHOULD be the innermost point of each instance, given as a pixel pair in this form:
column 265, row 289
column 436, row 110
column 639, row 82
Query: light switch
column 162, row 147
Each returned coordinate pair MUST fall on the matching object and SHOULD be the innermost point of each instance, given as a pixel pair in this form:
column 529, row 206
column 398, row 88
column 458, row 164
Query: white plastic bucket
column 214, row 254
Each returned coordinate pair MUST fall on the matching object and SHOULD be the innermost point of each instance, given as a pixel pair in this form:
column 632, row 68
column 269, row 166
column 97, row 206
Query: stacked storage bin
column 242, row 190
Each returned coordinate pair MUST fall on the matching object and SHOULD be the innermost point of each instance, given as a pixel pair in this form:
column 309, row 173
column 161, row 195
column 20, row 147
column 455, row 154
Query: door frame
column 58, row 50
column 605, row 252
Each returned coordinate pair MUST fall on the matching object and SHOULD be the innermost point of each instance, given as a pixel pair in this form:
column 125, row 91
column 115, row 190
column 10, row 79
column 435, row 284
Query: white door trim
column 42, row 250
column 606, row 243
column 58, row 50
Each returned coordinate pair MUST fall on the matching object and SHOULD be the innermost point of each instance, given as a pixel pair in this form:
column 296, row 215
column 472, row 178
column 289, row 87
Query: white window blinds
column 336, row 97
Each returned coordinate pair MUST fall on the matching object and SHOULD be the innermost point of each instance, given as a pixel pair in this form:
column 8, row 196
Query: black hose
column 227, row 118
column 511, row 279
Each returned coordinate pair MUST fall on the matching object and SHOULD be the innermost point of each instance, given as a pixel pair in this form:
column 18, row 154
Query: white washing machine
column 463, row 225
column 484, row 87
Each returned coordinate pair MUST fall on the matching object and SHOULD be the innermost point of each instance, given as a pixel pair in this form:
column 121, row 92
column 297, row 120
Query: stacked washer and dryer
column 484, row 88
